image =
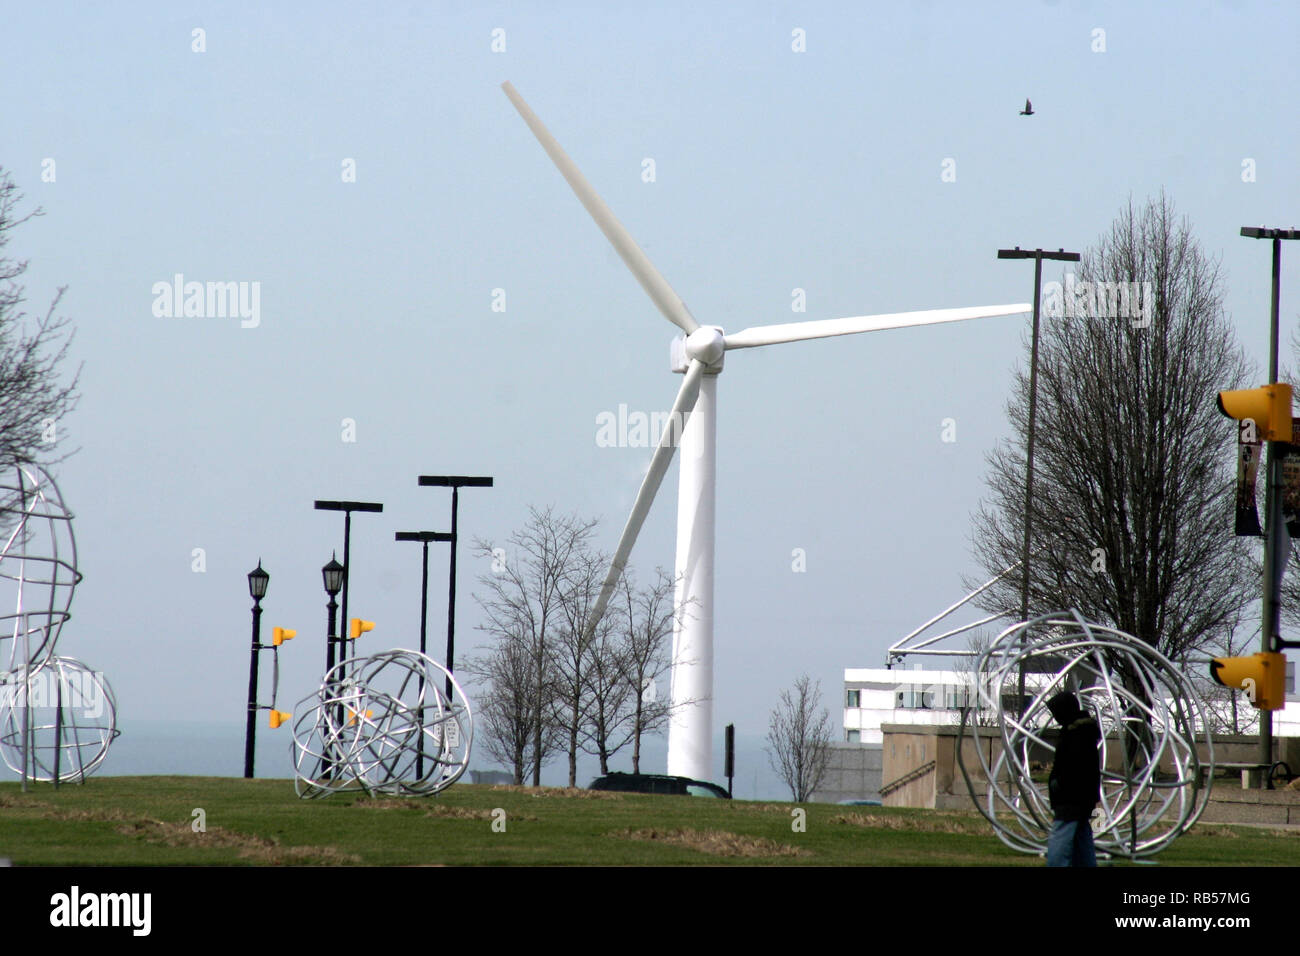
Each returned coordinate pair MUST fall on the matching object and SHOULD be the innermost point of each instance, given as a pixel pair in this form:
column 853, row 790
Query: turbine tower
column 698, row 355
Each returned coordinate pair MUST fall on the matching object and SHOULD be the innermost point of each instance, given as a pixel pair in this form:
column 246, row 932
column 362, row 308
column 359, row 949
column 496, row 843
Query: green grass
column 132, row 821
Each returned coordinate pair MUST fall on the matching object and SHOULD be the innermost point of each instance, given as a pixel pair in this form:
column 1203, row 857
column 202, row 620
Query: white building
column 881, row 695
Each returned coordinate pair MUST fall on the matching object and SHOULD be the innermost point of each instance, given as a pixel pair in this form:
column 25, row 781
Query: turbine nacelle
column 705, row 345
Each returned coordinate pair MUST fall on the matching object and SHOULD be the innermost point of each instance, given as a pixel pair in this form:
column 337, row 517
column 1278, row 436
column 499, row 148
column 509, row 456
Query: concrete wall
column 927, row 756
column 853, row 774
column 926, row 759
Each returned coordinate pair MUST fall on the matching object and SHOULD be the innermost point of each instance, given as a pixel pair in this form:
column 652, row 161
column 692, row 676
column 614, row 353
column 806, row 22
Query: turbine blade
column 659, row 463
column 825, row 328
column 656, row 286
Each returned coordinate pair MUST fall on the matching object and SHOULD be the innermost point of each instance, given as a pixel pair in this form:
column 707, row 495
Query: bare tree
column 1133, row 465
column 506, row 707
column 525, row 603
column 608, row 709
column 647, row 616
column 32, row 399
column 798, row 738
column 574, row 649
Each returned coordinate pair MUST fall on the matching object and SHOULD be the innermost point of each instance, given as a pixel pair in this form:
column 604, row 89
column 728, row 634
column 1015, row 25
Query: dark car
column 657, row 783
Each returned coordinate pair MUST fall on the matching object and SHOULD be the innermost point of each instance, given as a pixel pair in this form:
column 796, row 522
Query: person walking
column 1074, row 785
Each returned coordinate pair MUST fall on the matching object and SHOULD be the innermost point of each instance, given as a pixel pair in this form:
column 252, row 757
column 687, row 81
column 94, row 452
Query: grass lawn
column 132, row 821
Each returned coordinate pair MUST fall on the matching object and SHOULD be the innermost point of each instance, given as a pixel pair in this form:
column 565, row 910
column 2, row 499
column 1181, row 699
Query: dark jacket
column 1075, row 783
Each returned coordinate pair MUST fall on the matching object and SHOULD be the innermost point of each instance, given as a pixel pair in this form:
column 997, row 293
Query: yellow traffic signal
column 278, row 717
column 352, row 715
column 360, row 627
column 281, row 634
column 1267, row 407
column 1262, row 676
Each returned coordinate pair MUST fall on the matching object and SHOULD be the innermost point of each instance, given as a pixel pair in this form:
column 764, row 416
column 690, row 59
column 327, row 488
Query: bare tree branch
column 33, row 400
column 798, row 739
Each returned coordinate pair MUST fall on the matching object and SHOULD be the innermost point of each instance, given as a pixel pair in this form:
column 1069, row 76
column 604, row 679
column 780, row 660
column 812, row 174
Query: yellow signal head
column 1268, row 406
column 1262, row 676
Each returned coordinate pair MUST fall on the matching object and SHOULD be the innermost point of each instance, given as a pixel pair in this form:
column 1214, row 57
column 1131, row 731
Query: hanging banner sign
column 1291, row 481
column 1247, row 520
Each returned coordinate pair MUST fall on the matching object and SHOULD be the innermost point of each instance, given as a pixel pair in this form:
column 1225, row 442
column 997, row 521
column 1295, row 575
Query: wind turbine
column 699, row 356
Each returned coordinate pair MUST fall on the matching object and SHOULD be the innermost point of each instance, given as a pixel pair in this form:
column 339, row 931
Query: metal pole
column 327, row 765
column 451, row 593
column 1029, row 469
column 1038, row 255
column 1274, row 556
column 27, row 642
column 27, row 686
column 347, row 579
column 251, row 730
column 58, row 729
column 424, row 624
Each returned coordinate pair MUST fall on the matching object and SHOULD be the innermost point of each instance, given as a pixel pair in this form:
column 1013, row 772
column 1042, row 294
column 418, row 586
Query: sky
column 432, row 298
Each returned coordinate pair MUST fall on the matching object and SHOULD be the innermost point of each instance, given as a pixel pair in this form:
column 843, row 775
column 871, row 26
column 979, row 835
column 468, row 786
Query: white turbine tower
column 699, row 355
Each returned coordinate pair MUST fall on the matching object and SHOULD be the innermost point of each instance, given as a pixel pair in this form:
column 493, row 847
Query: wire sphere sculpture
column 57, row 716
column 1152, row 720
column 38, row 565
column 68, row 714
column 382, row 724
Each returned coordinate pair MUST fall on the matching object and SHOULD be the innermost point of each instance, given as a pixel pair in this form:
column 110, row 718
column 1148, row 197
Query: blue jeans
column 1070, row 844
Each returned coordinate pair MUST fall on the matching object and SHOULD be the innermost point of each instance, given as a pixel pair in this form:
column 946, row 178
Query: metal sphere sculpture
column 382, row 724
column 57, row 716
column 38, row 566
column 68, row 714
column 1151, row 718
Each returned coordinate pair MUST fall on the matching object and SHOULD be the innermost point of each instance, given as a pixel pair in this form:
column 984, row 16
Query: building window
column 915, row 699
column 955, row 698
column 853, row 736
column 853, row 699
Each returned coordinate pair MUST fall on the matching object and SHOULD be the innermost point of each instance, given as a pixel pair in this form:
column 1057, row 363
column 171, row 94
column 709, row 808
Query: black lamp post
column 424, row 537
column 455, row 483
column 257, row 581
column 332, row 575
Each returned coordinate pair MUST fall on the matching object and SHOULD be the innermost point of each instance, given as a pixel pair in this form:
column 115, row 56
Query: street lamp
column 455, row 482
column 333, row 576
column 424, row 537
column 1038, row 255
column 1275, row 544
column 257, row 581
column 347, row 507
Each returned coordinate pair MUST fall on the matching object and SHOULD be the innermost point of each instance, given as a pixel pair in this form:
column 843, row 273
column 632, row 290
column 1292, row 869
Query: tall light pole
column 1038, row 255
column 347, row 507
column 257, row 582
column 332, row 577
column 455, row 483
column 424, row 537
column 1275, row 542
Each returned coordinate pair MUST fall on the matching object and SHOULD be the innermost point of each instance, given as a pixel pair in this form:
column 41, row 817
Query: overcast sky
column 794, row 146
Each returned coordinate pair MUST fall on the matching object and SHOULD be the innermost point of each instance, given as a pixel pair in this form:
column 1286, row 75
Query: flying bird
column 1028, row 110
